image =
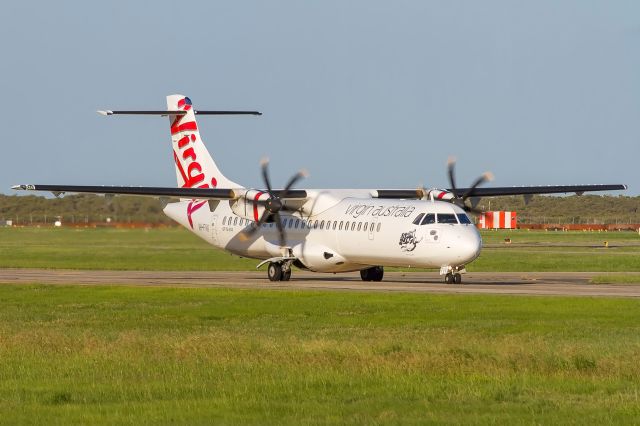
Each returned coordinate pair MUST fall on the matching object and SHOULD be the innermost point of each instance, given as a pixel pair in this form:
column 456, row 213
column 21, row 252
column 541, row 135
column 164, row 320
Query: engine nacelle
column 438, row 194
column 247, row 207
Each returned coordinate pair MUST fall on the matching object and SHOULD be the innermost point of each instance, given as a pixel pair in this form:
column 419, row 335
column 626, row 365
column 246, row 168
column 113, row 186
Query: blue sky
column 361, row 93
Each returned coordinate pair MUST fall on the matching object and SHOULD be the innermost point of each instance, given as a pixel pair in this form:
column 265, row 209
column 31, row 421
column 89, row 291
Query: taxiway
column 514, row 283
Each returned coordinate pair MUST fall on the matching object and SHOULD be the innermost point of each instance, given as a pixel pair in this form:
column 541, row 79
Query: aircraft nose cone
column 470, row 246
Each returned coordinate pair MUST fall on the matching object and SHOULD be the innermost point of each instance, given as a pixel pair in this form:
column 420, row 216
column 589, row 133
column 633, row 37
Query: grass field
column 133, row 355
column 177, row 249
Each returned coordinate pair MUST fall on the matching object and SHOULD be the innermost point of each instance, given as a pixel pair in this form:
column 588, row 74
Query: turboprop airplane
column 322, row 230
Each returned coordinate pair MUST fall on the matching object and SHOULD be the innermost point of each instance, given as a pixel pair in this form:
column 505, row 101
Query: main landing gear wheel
column 372, row 274
column 275, row 272
column 286, row 276
column 457, row 279
column 278, row 272
column 448, row 279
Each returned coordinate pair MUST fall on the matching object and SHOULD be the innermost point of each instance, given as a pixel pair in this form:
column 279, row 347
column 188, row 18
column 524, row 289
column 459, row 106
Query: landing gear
column 279, row 271
column 275, row 272
column 453, row 278
column 375, row 273
column 286, row 276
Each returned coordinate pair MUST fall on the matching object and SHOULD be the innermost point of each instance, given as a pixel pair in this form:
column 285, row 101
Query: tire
column 457, row 278
column 365, row 274
column 274, row 272
column 448, row 279
column 286, row 276
column 377, row 273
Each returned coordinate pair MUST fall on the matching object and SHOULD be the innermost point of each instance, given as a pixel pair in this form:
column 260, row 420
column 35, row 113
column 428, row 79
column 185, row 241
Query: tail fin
column 195, row 167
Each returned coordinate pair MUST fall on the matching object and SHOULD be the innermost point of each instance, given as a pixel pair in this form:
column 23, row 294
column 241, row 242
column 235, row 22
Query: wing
column 197, row 193
column 504, row 190
column 297, row 194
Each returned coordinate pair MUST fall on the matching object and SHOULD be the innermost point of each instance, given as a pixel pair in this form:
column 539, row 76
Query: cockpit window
column 464, row 219
column 429, row 218
column 447, row 218
column 417, row 220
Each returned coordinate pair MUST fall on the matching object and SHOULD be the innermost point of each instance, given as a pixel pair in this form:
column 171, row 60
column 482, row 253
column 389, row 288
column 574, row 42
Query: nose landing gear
column 452, row 275
column 453, row 278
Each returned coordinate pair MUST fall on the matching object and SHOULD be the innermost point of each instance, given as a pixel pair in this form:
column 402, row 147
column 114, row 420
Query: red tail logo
column 186, row 158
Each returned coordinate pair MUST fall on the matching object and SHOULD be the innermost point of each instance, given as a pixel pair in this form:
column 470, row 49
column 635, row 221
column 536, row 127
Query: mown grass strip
column 616, row 279
column 160, row 355
column 178, row 250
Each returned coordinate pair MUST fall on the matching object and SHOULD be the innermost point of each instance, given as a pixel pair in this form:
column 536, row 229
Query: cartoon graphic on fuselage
column 323, row 230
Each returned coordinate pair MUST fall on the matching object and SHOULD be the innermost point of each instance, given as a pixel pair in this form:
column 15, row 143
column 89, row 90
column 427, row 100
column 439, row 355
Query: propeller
column 460, row 201
column 274, row 205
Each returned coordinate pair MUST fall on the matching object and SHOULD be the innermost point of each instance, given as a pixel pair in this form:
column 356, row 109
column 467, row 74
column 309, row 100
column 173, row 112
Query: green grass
column 616, row 279
column 153, row 355
column 552, row 251
column 170, row 249
column 177, row 249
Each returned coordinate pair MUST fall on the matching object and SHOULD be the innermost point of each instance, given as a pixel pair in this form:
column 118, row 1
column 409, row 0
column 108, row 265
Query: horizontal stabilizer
column 165, row 113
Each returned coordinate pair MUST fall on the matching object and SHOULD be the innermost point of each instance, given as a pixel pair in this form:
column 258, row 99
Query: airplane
column 321, row 230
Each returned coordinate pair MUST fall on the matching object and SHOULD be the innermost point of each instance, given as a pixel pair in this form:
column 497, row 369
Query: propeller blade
column 274, row 204
column 264, row 163
column 486, row 176
column 254, row 228
column 295, row 178
column 281, row 234
column 470, row 209
column 451, row 163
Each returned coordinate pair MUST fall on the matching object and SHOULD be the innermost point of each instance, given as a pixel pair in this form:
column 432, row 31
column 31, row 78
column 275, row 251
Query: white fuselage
column 343, row 230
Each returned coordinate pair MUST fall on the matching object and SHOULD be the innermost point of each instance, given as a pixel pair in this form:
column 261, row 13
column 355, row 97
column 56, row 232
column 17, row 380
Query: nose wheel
column 453, row 278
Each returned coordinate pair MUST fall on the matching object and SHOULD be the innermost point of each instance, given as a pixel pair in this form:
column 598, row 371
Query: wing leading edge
column 197, row 193
column 503, row 191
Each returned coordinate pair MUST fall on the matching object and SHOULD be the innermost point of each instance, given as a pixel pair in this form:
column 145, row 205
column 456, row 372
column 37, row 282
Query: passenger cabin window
column 428, row 219
column 379, row 225
column 447, row 218
column 464, row 219
column 417, row 220
column 322, row 225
